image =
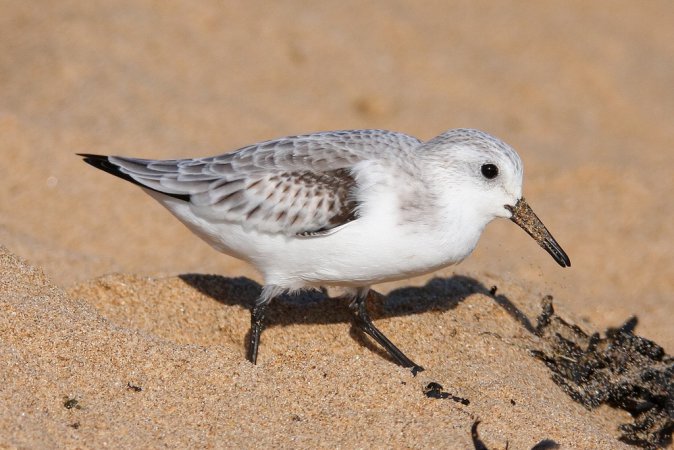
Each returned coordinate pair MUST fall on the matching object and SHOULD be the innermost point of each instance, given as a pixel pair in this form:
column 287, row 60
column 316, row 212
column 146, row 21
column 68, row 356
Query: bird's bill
column 524, row 216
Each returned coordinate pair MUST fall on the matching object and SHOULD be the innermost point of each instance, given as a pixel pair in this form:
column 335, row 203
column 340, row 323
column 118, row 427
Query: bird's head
column 486, row 174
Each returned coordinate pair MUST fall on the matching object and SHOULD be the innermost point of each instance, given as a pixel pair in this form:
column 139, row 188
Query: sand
column 103, row 291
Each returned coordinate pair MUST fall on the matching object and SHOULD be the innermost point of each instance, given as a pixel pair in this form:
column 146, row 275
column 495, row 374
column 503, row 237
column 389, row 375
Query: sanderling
column 343, row 208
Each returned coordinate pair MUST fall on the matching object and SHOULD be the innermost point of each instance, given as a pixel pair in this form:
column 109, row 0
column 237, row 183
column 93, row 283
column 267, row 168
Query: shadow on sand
column 315, row 307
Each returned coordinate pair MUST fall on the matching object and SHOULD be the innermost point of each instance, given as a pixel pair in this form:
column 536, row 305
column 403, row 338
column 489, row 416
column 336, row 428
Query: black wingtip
column 98, row 161
column 103, row 163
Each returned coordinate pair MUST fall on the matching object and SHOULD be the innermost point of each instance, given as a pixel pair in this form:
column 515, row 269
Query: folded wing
column 298, row 185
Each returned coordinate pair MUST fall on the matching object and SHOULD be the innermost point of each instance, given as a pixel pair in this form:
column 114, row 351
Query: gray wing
column 293, row 185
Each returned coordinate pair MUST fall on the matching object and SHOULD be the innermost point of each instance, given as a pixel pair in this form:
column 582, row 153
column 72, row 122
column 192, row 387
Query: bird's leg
column 364, row 322
column 257, row 320
column 256, row 326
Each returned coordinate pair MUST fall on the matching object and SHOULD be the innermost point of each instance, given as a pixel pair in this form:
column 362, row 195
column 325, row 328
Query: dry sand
column 582, row 89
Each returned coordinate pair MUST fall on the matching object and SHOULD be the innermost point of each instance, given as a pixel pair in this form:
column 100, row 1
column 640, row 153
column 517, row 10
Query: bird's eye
column 490, row 171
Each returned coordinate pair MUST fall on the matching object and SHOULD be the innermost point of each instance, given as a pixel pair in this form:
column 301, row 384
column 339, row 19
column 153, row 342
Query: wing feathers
column 295, row 185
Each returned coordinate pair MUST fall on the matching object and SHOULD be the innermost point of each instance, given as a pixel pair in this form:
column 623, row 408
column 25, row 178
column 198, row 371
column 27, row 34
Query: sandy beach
column 120, row 328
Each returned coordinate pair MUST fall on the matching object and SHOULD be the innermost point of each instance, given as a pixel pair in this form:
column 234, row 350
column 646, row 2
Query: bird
column 348, row 208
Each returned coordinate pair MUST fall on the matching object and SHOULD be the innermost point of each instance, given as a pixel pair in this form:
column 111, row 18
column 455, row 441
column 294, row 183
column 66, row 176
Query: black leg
column 269, row 291
column 364, row 322
column 256, row 326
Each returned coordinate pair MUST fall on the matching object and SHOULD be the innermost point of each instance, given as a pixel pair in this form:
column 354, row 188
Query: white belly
column 369, row 250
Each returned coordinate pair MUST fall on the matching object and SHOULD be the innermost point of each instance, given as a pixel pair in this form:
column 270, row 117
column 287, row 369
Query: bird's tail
column 105, row 164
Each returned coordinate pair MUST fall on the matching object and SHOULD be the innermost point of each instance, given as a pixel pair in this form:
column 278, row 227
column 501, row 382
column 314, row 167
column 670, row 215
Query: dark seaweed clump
column 621, row 370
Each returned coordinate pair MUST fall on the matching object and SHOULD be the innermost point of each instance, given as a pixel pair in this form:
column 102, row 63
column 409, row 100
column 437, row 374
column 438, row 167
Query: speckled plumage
column 296, row 185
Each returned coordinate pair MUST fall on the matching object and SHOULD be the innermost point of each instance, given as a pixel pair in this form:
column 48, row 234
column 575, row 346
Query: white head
column 479, row 170
column 483, row 179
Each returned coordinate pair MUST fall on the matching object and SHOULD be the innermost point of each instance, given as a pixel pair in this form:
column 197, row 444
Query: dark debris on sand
column 478, row 444
column 435, row 390
column 621, row 370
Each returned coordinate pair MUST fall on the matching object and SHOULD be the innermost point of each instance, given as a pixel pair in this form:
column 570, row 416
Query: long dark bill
column 524, row 216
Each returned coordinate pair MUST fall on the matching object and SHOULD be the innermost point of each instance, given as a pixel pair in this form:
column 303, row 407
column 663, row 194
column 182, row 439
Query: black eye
column 490, row 171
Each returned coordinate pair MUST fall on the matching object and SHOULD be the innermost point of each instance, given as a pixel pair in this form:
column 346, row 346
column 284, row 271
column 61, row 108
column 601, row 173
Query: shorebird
column 343, row 208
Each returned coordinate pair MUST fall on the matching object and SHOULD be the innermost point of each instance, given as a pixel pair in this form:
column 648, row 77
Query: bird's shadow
column 315, row 307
